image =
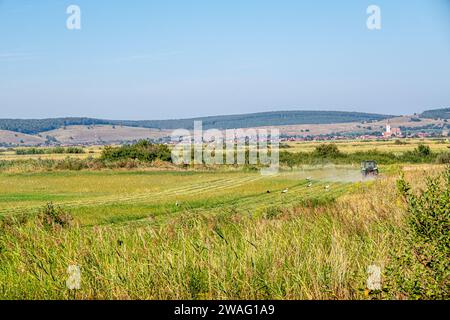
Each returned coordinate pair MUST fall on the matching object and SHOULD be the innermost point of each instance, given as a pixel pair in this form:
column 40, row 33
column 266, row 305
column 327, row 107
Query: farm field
column 109, row 196
column 442, row 145
column 10, row 155
column 59, row 156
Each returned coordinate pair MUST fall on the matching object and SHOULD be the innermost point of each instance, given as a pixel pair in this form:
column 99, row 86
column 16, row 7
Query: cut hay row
column 208, row 186
column 296, row 195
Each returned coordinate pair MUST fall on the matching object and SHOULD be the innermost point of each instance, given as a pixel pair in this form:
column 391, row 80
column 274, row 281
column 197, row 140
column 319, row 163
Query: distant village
column 389, row 133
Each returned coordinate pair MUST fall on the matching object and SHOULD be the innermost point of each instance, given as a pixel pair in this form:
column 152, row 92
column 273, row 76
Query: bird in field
column 309, row 185
column 327, row 187
column 285, row 190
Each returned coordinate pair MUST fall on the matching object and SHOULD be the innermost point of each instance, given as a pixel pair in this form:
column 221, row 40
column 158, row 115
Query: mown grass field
column 117, row 196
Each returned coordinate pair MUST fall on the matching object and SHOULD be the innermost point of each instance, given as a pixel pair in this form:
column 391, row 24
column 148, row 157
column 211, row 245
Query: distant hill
column 35, row 126
column 436, row 114
column 279, row 118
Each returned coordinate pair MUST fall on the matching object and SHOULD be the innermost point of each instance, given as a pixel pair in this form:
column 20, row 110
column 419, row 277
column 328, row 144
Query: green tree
column 327, row 150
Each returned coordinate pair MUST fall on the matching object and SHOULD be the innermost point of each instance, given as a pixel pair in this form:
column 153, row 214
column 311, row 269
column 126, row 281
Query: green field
column 118, row 196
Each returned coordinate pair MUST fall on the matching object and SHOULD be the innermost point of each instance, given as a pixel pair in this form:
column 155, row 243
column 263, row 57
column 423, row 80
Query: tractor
column 369, row 168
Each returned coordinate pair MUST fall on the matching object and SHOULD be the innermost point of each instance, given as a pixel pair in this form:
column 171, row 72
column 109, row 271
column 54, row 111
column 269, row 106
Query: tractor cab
column 369, row 168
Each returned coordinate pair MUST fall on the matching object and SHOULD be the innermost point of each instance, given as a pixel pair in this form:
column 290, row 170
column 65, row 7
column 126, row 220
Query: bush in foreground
column 421, row 269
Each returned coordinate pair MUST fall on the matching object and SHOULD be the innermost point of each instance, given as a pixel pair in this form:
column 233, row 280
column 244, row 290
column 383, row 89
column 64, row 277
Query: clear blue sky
column 180, row 58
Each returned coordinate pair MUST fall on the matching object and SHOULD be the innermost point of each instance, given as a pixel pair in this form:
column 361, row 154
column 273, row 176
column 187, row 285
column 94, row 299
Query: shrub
column 327, row 150
column 74, row 150
column 421, row 267
column 30, row 151
column 423, row 150
column 56, row 150
column 399, row 142
column 142, row 150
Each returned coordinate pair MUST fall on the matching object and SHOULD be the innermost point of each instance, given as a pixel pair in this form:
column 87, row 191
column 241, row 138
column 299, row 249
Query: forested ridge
column 34, row 126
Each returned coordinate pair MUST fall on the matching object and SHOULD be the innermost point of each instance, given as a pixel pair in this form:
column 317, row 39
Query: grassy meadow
column 308, row 232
